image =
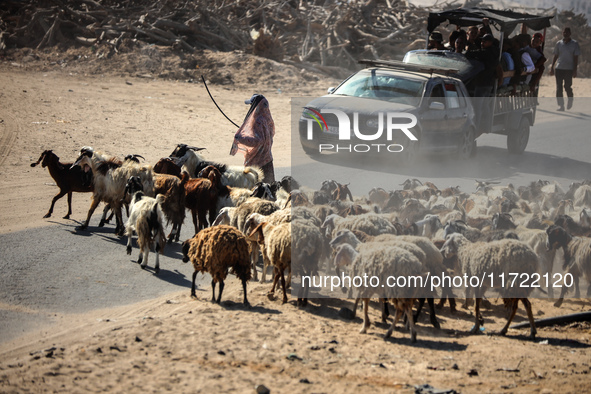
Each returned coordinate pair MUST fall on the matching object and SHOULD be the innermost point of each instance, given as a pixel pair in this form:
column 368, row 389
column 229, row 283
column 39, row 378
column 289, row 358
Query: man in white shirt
column 566, row 59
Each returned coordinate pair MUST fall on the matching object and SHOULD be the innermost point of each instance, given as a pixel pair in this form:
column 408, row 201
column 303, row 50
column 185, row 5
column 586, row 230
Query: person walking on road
column 255, row 137
column 566, row 58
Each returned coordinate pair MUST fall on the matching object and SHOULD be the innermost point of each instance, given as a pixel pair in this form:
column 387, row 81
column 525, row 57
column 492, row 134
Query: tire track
column 9, row 129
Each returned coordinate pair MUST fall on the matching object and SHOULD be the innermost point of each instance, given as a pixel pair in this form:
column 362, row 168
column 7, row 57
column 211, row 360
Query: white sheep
column 308, row 251
column 275, row 245
column 145, row 219
column 495, row 258
column 383, row 262
column 369, row 223
column 421, row 247
column 577, row 257
column 253, row 220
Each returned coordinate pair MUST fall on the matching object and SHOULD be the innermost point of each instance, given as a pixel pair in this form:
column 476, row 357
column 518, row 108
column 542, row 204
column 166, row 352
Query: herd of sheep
column 416, row 230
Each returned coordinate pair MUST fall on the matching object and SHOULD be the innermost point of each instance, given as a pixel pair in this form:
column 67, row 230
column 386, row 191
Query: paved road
column 57, row 269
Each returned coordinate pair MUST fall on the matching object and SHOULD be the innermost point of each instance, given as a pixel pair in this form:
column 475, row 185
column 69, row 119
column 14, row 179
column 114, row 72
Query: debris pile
column 318, row 36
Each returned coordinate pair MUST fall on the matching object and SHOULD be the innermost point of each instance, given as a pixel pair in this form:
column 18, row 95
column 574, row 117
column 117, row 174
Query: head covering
column 488, row 37
column 436, row 36
column 539, row 35
column 255, row 137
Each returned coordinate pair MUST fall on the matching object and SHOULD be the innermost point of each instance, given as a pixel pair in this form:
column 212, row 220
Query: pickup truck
column 429, row 87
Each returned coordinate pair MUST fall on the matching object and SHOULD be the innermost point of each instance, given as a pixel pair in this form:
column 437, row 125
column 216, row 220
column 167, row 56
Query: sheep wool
column 218, row 250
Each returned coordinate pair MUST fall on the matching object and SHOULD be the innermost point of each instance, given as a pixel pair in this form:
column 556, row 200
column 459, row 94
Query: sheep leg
column 409, row 318
column 158, row 250
column 57, row 197
column 245, row 300
column 530, row 316
column 432, row 315
column 385, row 309
column 477, row 317
column 221, row 290
column 193, row 295
column 303, row 295
column 119, row 221
column 266, row 264
column 212, row 290
column 104, row 218
column 577, row 292
column 355, row 306
column 283, row 286
column 275, row 279
column 397, row 315
column 194, row 215
column 129, row 232
column 254, row 257
column 172, row 234
column 513, row 305
column 366, row 322
column 178, row 232
column 93, row 205
column 558, row 302
column 419, row 309
column 69, row 206
column 288, row 281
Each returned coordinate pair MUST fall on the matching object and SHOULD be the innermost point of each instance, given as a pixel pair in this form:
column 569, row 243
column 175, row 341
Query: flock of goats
column 415, row 230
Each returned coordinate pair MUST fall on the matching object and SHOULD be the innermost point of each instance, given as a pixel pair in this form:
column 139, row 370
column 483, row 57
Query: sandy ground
column 184, row 345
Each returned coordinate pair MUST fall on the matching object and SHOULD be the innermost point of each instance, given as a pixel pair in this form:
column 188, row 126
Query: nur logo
column 344, row 124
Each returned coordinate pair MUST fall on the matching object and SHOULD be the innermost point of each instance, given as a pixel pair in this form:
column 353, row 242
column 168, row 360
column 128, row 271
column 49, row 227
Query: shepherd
column 255, row 137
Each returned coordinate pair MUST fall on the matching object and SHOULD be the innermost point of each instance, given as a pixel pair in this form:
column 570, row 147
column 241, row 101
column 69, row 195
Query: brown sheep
column 217, row 250
column 173, row 205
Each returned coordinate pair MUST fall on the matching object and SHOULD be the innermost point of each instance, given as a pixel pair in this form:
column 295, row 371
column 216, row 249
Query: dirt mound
column 138, row 59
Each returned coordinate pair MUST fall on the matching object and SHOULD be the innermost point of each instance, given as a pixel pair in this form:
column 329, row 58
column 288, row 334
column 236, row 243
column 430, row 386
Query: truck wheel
column 310, row 151
column 517, row 140
column 468, row 145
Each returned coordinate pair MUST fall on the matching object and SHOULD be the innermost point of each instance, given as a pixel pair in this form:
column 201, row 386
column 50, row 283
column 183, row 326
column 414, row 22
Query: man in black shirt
column 485, row 80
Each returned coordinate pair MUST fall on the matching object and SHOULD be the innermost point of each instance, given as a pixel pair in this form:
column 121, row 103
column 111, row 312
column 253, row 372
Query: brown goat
column 67, row 179
column 167, row 166
column 201, row 196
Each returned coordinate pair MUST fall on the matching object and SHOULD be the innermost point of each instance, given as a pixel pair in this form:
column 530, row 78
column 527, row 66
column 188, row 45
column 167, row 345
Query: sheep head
column 133, row 185
column 265, row 191
column 452, row 243
column 181, row 150
column 185, row 248
column 84, row 161
column 134, row 158
column 44, row 158
column 258, row 234
column 503, row 221
column 557, row 237
column 288, row 183
column 344, row 237
column 345, row 254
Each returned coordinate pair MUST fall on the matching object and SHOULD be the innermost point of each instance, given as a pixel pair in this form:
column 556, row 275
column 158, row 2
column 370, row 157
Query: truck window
column 452, row 96
column 438, row 94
